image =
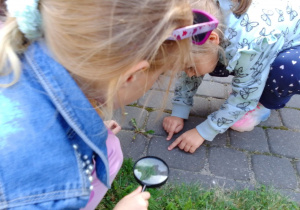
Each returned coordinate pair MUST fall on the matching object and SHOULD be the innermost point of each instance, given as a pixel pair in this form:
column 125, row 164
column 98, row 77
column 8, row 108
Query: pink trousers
column 115, row 160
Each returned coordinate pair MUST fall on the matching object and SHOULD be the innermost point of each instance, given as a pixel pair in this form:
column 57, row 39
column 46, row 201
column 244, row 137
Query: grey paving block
column 176, row 158
column 298, row 167
column 134, row 149
column 220, row 140
column 291, row 195
column 207, row 77
column 224, row 80
column 130, row 112
column 163, row 83
column 155, row 99
column 294, row 102
column 273, row 121
column 215, row 104
column 274, row 171
column 154, row 123
column 191, row 123
column 206, row 181
column 211, row 89
column 254, row 140
column 200, row 107
column 286, row 143
column 291, row 118
column 228, row 163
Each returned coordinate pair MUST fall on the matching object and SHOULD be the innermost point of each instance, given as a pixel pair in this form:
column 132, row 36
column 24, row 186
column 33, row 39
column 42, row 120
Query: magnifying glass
column 151, row 171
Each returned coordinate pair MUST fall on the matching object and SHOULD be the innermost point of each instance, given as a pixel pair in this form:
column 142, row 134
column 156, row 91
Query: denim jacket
column 49, row 136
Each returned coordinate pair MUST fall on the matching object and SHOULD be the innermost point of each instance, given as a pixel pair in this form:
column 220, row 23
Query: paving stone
column 154, row 99
column 215, row 104
column 200, row 107
column 163, row 83
column 274, row 171
column 191, row 123
column 224, row 80
column 294, row 102
column 291, row 195
column 207, row 77
column 298, row 167
column 206, row 181
column 134, row 149
column 286, row 143
column 131, row 112
column 211, row 89
column 176, row 158
column 228, row 163
column 273, row 121
column 254, row 140
column 291, row 118
column 155, row 124
column 219, row 140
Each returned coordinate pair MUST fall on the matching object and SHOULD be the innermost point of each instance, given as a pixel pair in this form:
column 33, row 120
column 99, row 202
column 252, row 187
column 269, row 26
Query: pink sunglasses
column 202, row 27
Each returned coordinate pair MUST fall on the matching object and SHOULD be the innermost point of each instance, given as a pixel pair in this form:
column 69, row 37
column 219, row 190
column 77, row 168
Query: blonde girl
column 259, row 43
column 56, row 57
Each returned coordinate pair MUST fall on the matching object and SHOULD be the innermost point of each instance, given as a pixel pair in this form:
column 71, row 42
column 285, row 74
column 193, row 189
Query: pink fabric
column 115, row 160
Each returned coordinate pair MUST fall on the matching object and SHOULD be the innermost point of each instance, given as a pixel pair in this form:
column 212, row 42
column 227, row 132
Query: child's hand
column 113, row 126
column 172, row 125
column 188, row 141
column 136, row 200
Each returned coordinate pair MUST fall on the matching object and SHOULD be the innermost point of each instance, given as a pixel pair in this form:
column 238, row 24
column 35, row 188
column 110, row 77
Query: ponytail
column 12, row 42
column 242, row 6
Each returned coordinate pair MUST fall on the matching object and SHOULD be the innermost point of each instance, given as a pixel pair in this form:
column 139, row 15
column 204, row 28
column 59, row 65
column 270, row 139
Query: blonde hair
column 97, row 41
column 241, row 6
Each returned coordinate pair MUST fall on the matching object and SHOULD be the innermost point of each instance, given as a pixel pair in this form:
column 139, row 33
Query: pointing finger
column 174, row 144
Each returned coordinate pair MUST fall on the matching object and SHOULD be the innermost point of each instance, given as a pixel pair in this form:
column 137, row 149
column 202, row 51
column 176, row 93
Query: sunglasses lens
column 199, row 18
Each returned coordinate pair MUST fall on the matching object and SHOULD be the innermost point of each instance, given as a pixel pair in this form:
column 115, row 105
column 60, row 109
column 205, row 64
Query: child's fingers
column 170, row 135
column 187, row 148
column 136, row 191
column 182, row 145
column 174, row 144
column 170, row 129
column 145, row 195
column 192, row 149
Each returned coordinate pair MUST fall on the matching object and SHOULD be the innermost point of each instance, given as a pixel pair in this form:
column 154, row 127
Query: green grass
column 188, row 197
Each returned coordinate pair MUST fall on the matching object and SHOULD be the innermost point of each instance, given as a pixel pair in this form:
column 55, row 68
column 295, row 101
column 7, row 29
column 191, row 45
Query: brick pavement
column 269, row 155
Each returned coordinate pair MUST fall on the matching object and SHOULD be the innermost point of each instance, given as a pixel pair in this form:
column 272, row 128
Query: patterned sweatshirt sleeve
column 251, row 72
column 185, row 89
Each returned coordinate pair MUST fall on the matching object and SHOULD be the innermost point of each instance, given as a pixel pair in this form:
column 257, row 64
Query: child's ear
column 131, row 75
column 214, row 38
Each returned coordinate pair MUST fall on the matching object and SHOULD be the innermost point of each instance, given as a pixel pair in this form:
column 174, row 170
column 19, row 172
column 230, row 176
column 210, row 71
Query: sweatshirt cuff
column 206, row 131
column 181, row 111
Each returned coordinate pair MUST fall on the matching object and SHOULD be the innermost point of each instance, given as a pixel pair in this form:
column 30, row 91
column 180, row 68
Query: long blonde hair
column 97, row 41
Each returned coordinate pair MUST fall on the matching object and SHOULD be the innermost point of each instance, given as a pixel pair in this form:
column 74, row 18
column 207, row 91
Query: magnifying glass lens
column 151, row 171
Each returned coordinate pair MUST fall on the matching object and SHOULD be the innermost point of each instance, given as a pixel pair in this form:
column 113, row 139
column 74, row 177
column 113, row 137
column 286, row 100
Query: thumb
column 136, row 191
column 145, row 195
